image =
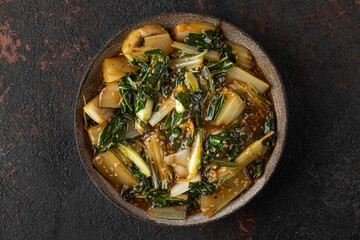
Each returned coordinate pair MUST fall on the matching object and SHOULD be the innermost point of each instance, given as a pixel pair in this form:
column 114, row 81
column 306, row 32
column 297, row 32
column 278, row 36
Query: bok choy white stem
column 173, row 213
column 238, row 74
column 165, row 108
column 135, row 157
column 195, row 157
column 155, row 154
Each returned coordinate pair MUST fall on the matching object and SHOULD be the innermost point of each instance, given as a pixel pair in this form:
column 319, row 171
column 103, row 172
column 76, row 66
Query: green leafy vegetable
column 224, row 145
column 114, row 130
column 256, row 169
column 215, row 106
column 210, row 40
column 221, row 66
column 202, row 188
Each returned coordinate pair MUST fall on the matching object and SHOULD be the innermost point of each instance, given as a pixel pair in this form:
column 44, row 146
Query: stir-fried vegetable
column 98, row 114
column 161, row 41
column 194, row 61
column 187, row 49
column 116, row 68
column 253, row 152
column 94, row 133
column 162, row 177
column 195, row 157
column 243, row 55
column 181, row 31
column 238, row 74
column 225, row 193
column 177, row 122
column 165, row 108
column 231, row 108
column 111, row 168
column 135, row 157
column 172, row 213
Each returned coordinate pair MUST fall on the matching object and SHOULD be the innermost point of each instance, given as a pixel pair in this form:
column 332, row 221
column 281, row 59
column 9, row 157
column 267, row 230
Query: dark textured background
column 45, row 47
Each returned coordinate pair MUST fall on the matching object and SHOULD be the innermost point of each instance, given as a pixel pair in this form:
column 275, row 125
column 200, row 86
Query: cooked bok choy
column 181, row 124
column 161, row 174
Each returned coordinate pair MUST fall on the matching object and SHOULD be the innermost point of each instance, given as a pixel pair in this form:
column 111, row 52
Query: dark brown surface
column 44, row 50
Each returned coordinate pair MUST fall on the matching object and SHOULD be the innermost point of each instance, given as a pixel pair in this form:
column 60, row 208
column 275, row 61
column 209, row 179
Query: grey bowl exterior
column 92, row 80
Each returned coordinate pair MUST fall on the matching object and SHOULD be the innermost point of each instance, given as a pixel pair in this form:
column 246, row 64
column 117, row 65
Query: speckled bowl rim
column 280, row 103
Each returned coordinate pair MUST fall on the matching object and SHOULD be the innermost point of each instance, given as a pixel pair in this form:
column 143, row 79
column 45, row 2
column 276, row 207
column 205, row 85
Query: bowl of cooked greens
column 181, row 119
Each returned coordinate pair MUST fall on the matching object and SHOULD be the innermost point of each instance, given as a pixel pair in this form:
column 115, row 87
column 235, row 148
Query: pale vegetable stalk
column 131, row 131
column 187, row 62
column 135, row 157
column 195, row 157
column 110, row 167
column 238, row 74
column 210, row 55
column 98, row 114
column 134, row 38
column 155, row 154
column 182, row 30
column 183, row 186
column 178, row 106
column 191, row 81
column 116, row 68
column 95, row 133
column 172, row 213
column 249, row 92
column 110, row 96
column 145, row 113
column 162, row 41
column 231, row 109
column 211, row 204
column 165, row 108
column 243, row 55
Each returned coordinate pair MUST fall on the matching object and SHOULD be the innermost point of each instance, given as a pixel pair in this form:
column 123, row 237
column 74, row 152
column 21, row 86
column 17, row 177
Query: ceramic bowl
column 92, row 80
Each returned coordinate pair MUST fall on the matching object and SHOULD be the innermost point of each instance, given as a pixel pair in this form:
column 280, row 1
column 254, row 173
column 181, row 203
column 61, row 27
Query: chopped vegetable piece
column 111, row 168
column 223, row 65
column 243, row 55
column 210, row 55
column 155, row 154
column 165, row 108
column 145, row 113
column 183, row 186
column 116, row 68
column 238, row 74
column 181, row 31
column 135, row 37
column 191, row 81
column 161, row 41
column 94, row 133
column 135, row 157
column 195, row 158
column 131, row 131
column 205, row 74
column 249, row 92
column 231, row 109
column 253, row 152
column 215, row 106
column 187, row 62
column 98, row 114
column 173, row 213
column 211, row 204
column 110, row 96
